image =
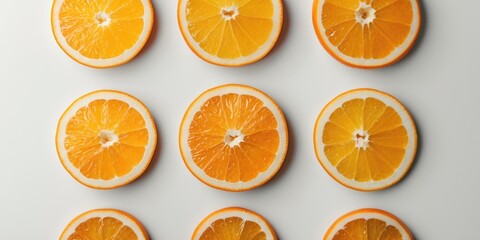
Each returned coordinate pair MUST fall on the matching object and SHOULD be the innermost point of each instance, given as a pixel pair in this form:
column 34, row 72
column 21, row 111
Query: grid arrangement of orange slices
column 235, row 137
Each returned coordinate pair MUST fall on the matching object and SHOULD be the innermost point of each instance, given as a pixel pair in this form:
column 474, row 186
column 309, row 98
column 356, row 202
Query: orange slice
column 371, row 224
column 102, row 33
column 367, row 33
column 106, row 139
column 234, row 223
column 104, row 224
column 365, row 139
column 230, row 32
column 233, row 137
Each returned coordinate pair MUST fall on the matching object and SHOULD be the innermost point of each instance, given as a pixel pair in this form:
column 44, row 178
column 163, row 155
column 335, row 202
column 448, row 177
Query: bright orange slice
column 367, row 33
column 230, row 32
column 104, row 224
column 102, row 33
column 234, row 223
column 106, row 139
column 233, row 137
column 365, row 139
column 371, row 224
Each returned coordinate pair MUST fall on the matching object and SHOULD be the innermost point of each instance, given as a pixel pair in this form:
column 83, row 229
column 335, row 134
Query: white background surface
column 437, row 81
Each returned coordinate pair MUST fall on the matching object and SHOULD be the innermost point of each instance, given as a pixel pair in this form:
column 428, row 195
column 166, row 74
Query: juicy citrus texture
column 367, row 33
column 101, row 224
column 101, row 28
column 365, row 139
column 233, row 228
column 371, row 229
column 102, row 228
column 234, row 223
column 102, row 33
column 230, row 32
column 106, row 139
column 376, row 38
column 368, row 224
column 233, row 137
column 228, row 28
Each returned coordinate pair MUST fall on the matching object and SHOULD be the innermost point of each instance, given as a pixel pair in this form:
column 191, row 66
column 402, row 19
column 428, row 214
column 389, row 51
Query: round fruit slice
column 365, row 139
column 102, row 33
column 106, row 139
column 368, row 223
column 104, row 224
column 234, row 223
column 230, row 33
column 233, row 137
column 367, row 33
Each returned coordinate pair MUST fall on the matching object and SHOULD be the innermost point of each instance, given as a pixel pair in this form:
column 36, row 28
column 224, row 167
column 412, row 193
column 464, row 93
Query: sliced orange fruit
column 234, row 223
column 368, row 223
column 233, row 137
column 106, row 139
column 230, row 32
column 365, row 139
column 102, row 33
column 367, row 33
column 104, row 224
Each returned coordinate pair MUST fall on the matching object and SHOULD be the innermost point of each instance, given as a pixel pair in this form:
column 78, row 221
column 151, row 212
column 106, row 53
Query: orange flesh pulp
column 233, row 137
column 233, row 228
column 365, row 140
column 101, row 29
column 371, row 229
column 102, row 228
column 369, row 29
column 106, row 139
column 230, row 28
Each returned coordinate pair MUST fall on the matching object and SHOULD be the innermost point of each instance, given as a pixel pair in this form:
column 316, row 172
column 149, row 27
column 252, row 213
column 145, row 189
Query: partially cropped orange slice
column 367, row 33
column 365, row 139
column 230, row 32
column 233, row 137
column 371, row 224
column 104, row 224
column 102, row 33
column 234, row 223
column 106, row 139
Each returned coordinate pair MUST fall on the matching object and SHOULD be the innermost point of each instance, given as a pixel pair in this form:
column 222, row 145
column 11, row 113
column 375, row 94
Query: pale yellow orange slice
column 233, row 137
column 368, row 224
column 102, row 224
column 367, row 33
column 230, row 32
column 365, row 139
column 102, row 33
column 106, row 139
column 234, row 223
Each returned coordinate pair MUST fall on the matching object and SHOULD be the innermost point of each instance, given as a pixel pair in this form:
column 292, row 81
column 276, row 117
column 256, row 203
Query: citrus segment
column 106, row 139
column 365, row 139
column 236, row 224
column 230, row 33
column 233, row 137
column 371, row 224
column 366, row 33
column 102, row 33
column 104, row 224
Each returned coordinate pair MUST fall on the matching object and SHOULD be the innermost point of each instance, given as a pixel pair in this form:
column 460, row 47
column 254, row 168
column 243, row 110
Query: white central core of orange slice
column 233, row 138
column 365, row 14
column 102, row 19
column 108, row 138
column 361, row 139
column 229, row 12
